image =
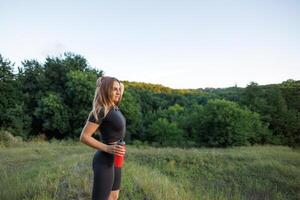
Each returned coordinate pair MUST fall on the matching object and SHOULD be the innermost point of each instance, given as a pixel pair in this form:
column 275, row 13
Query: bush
column 165, row 132
column 224, row 123
column 7, row 139
column 139, row 144
column 40, row 138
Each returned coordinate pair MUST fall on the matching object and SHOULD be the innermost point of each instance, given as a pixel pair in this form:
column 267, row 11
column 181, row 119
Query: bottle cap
column 121, row 142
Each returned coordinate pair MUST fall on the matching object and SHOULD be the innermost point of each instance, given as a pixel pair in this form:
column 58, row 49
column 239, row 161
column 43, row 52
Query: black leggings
column 106, row 176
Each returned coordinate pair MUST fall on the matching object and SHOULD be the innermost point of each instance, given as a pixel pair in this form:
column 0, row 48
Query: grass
column 63, row 170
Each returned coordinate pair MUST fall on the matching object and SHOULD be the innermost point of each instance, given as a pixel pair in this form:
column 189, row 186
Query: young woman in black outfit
column 107, row 117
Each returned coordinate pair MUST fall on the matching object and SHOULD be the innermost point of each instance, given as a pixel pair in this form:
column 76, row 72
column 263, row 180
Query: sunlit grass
column 64, row 171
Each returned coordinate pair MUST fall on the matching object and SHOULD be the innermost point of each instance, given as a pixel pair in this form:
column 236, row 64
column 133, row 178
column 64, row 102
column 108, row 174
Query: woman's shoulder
column 116, row 108
column 100, row 116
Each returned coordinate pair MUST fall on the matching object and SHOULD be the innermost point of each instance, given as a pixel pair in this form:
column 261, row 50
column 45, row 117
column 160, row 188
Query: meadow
column 63, row 170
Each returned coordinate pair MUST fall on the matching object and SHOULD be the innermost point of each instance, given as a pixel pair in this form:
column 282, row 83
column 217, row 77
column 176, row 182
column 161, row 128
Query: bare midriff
column 110, row 143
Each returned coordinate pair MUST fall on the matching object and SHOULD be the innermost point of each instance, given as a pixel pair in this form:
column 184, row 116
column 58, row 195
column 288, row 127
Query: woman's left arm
column 121, row 88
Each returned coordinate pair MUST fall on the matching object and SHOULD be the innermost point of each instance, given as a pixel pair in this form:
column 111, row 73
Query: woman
column 106, row 117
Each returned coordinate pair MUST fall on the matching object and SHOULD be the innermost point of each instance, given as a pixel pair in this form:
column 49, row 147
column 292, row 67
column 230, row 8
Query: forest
column 53, row 100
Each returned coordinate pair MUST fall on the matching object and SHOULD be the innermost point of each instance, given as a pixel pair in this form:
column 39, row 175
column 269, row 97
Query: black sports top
column 112, row 127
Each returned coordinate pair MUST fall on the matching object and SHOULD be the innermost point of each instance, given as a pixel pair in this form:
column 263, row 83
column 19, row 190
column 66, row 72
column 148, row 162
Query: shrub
column 7, row 139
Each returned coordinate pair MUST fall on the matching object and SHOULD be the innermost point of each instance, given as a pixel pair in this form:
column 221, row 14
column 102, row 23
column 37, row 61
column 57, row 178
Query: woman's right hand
column 116, row 149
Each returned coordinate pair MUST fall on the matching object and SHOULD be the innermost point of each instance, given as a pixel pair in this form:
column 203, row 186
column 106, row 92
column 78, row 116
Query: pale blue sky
column 180, row 44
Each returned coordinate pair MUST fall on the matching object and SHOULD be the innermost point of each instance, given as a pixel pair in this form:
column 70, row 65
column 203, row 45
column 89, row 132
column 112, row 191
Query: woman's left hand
column 116, row 149
column 120, row 150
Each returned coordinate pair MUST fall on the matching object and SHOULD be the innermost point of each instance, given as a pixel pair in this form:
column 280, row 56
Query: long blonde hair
column 103, row 95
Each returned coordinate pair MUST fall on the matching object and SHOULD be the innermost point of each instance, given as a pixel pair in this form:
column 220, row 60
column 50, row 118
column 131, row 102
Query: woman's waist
column 111, row 143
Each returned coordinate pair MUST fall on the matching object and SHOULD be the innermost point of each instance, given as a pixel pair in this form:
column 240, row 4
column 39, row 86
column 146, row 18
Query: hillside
column 62, row 170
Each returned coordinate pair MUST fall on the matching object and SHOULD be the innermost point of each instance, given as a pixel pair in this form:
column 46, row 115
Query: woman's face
column 116, row 92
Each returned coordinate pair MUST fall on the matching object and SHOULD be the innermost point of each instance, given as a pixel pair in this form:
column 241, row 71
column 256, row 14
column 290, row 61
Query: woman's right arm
column 86, row 137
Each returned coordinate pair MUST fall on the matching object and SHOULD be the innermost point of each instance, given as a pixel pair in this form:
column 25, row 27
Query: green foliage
column 56, row 70
column 54, row 98
column 291, row 93
column 53, row 114
column 156, row 88
column 79, row 96
column 132, row 110
column 224, row 123
column 165, row 132
column 230, row 93
column 271, row 102
column 13, row 115
column 291, row 128
column 173, row 113
column 6, row 69
column 68, row 77
column 191, row 122
column 8, row 87
column 79, row 87
column 17, row 121
column 32, row 80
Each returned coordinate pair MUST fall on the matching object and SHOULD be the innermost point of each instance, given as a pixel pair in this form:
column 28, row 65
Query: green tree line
column 54, row 98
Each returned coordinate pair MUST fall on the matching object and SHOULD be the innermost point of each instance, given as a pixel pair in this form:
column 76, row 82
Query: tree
column 224, row 123
column 132, row 111
column 16, row 121
column 192, row 121
column 54, row 116
column 291, row 92
column 7, row 88
column 165, row 132
column 12, row 115
column 80, row 87
column 56, row 70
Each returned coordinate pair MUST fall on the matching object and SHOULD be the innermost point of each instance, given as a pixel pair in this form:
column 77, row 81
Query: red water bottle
column 118, row 160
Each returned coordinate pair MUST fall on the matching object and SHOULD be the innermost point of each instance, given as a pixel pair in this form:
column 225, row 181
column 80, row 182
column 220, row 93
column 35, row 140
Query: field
column 63, row 170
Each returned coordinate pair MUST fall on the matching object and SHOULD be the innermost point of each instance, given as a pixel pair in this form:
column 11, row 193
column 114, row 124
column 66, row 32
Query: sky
column 179, row 44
